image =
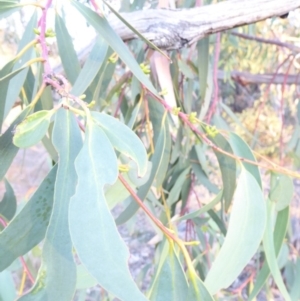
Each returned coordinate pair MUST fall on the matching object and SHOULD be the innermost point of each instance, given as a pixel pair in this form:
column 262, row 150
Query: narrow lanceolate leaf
column 91, row 67
column 17, row 81
column 7, row 149
column 170, row 283
column 31, row 130
column 103, row 28
column 123, row 139
column 57, row 275
column 93, row 230
column 66, row 50
column 245, row 231
column 228, row 169
column 28, row 227
column 203, row 209
column 157, row 161
column 270, row 252
column 242, row 149
column 8, row 7
column 198, row 291
column 5, row 77
column 279, row 233
column 281, row 190
column 8, row 289
column 8, row 205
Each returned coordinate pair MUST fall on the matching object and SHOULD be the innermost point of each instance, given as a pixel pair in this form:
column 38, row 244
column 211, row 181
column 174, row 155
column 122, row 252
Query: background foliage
column 208, row 155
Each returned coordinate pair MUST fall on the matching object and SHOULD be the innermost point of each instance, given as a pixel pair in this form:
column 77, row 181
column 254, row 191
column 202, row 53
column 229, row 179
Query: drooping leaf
column 228, row 169
column 203, row 209
column 203, row 63
column 84, row 278
column 143, row 191
column 66, row 50
column 8, row 7
column 281, row 190
column 242, row 149
column 176, row 189
column 270, row 252
column 140, row 35
column 91, row 67
column 31, row 130
column 280, row 229
column 7, row 149
column 104, row 29
column 8, row 204
column 170, row 283
column 8, row 291
column 295, row 289
column 57, row 274
column 4, row 83
column 199, row 171
column 29, row 226
column 197, row 291
column 16, row 83
column 97, row 242
column 123, row 139
column 245, row 231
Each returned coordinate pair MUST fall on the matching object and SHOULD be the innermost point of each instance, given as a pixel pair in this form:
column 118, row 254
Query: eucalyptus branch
column 42, row 38
column 165, row 230
column 185, row 118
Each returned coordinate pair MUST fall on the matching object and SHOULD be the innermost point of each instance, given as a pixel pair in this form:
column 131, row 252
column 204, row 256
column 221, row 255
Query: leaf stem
column 160, row 225
column 185, row 119
column 25, row 48
column 38, row 95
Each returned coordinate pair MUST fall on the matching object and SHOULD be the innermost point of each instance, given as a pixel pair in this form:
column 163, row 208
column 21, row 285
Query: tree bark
column 172, row 29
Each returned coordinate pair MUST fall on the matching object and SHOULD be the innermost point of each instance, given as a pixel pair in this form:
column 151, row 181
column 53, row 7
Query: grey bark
column 172, row 29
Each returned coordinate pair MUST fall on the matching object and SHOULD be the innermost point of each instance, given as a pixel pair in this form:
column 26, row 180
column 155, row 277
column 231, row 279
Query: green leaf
column 203, row 63
column 242, row 149
column 149, row 43
column 176, row 189
column 228, row 169
column 8, row 291
column 7, row 149
column 157, row 161
column 281, row 225
column 170, row 283
column 29, row 226
column 5, row 76
column 200, row 172
column 295, row 289
column 66, row 50
column 281, row 190
column 245, row 231
column 8, row 7
column 103, row 28
column 270, row 252
column 16, row 83
column 198, row 291
column 97, row 242
column 84, row 278
column 57, row 274
column 8, row 205
column 203, row 209
column 31, row 130
column 123, row 139
column 91, row 67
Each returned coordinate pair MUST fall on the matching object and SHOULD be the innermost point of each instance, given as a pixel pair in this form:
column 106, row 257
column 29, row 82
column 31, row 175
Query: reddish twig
column 42, row 39
column 281, row 146
column 215, row 79
column 267, row 41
